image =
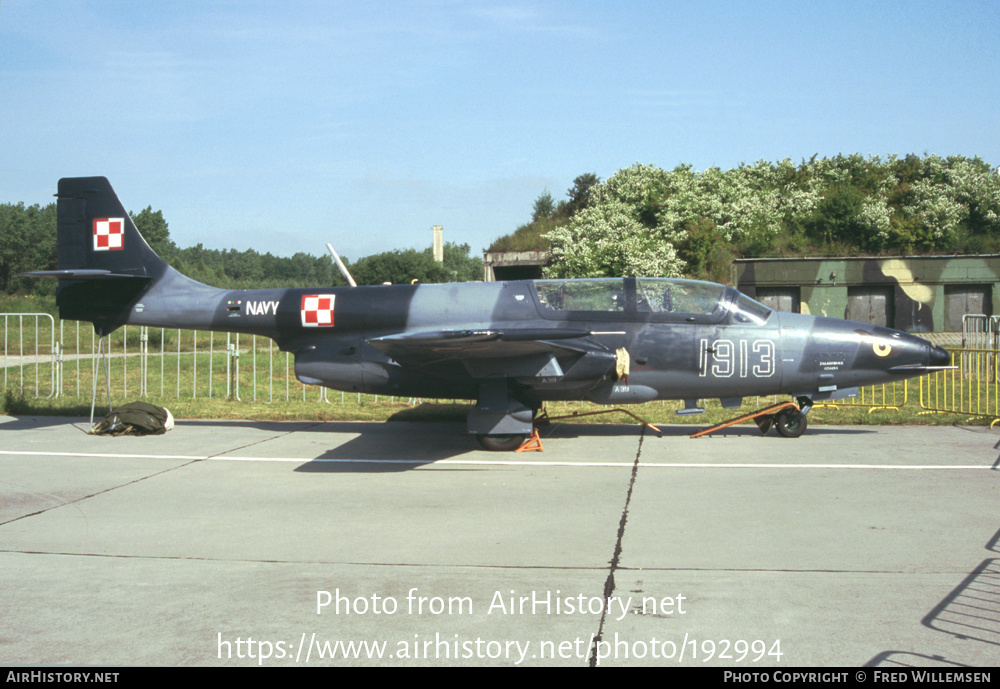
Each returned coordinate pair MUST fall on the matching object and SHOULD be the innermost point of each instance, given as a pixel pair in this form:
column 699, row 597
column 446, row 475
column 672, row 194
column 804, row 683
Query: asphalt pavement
column 243, row 543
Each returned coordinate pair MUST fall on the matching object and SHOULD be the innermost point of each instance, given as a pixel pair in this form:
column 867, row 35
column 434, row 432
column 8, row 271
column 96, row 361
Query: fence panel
column 875, row 397
column 32, row 356
column 970, row 388
column 48, row 359
column 42, row 358
column 980, row 331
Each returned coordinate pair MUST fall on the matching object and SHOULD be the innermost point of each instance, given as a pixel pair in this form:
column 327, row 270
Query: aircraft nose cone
column 939, row 356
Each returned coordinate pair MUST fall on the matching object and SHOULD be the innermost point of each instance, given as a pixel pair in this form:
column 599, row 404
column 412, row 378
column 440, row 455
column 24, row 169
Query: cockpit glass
column 746, row 310
column 689, row 297
column 598, row 294
column 668, row 298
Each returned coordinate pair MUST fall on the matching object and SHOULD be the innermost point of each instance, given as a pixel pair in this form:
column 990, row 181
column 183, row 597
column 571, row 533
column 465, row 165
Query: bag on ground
column 135, row 418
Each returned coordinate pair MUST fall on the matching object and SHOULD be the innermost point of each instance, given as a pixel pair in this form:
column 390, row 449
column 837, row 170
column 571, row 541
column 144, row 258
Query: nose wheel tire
column 502, row 443
column 790, row 423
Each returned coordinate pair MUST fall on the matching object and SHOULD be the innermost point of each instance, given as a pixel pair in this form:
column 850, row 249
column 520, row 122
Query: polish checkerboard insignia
column 317, row 310
column 109, row 234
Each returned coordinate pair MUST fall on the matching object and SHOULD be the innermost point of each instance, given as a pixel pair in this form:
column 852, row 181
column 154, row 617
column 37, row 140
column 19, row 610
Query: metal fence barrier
column 970, row 388
column 980, row 331
column 46, row 358
column 875, row 397
column 50, row 358
column 39, row 352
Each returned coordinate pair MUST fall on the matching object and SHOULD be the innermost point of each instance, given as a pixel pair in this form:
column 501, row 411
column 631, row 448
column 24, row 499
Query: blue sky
column 282, row 126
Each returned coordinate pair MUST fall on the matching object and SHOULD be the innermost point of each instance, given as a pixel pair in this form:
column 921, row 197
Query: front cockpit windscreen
column 687, row 297
column 746, row 310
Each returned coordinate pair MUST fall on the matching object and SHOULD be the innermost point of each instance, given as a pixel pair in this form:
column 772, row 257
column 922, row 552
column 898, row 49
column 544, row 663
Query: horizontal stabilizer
column 80, row 274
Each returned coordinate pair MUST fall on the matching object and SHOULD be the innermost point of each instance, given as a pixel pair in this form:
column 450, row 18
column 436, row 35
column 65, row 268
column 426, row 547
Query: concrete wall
column 514, row 265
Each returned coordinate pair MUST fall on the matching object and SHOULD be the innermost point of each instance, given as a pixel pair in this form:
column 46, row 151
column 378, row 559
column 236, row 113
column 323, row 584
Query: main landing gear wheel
column 502, row 443
column 790, row 423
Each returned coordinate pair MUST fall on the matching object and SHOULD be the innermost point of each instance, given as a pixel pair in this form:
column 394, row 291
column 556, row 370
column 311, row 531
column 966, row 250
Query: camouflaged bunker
column 922, row 294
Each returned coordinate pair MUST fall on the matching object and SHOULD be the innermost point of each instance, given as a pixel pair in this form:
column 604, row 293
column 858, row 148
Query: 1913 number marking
column 743, row 358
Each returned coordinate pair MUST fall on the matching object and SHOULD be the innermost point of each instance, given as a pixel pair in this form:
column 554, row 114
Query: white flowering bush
column 635, row 221
column 876, row 219
column 608, row 241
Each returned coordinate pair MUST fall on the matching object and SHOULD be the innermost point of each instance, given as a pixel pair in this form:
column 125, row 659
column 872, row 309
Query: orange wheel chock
column 532, row 444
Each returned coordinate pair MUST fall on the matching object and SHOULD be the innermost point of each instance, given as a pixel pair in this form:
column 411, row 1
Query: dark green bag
column 135, row 418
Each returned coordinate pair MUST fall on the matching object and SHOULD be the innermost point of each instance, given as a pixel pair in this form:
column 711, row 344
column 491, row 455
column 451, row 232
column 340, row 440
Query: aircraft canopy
column 667, row 297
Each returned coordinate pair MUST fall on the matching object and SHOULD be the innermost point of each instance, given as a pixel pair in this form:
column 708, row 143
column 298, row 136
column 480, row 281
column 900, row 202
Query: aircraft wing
column 566, row 354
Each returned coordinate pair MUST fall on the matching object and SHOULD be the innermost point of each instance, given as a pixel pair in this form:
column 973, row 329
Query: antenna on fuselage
column 341, row 266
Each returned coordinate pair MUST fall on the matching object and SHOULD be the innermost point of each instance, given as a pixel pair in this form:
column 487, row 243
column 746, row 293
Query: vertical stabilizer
column 95, row 232
column 106, row 268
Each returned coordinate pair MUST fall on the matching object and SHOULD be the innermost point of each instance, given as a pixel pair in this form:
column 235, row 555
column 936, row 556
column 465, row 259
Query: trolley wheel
column 790, row 423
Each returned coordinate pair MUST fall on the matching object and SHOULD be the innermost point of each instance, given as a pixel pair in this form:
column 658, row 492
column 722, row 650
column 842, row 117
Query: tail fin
column 96, row 234
column 105, row 266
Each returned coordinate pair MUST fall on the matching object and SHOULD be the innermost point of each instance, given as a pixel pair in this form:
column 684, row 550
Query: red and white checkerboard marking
column 109, row 234
column 317, row 310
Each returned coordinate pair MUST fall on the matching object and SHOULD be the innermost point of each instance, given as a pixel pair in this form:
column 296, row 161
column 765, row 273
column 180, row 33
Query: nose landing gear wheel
column 790, row 423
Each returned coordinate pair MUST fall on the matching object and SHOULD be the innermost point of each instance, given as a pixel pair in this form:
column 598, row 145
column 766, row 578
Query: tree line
column 28, row 242
column 646, row 220
column 643, row 220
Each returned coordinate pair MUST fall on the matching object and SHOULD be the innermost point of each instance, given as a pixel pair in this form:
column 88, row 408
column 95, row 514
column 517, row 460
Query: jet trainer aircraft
column 508, row 345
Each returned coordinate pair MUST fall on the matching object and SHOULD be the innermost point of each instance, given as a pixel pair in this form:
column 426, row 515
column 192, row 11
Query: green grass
column 354, row 407
column 195, row 386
